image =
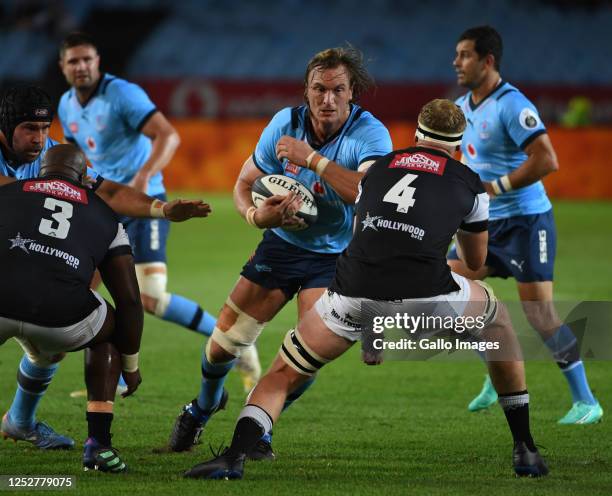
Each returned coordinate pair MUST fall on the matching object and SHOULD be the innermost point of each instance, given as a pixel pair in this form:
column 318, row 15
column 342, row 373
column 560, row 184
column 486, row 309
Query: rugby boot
column 528, row 463
column 263, row 449
column 486, row 397
column 582, row 413
column 187, row 428
column 101, row 458
column 40, row 435
column 248, row 367
column 223, row 466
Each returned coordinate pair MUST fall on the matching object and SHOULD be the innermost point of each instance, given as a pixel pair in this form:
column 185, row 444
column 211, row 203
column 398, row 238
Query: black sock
column 98, row 427
column 516, row 409
column 246, row 434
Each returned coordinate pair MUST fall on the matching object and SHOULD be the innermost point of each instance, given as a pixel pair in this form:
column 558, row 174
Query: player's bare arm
column 165, row 141
column 276, row 211
column 119, row 278
column 298, row 152
column 541, row 161
column 125, row 200
column 472, row 248
column 6, row 180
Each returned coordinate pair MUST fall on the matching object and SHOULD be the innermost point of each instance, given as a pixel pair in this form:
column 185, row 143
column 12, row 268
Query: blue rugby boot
column 40, row 435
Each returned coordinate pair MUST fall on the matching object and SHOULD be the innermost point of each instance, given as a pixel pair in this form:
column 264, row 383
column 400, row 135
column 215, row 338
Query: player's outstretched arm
column 119, row 277
column 342, row 180
column 125, row 200
column 6, row 180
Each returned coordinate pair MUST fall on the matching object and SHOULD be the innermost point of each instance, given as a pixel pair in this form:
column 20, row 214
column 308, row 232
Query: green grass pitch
column 401, row 428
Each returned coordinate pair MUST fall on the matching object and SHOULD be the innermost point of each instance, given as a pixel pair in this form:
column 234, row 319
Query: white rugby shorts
column 343, row 314
column 47, row 341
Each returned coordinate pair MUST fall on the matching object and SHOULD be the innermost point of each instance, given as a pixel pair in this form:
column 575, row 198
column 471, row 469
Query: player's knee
column 491, row 312
column 240, row 334
column 44, row 360
column 298, row 356
column 152, row 280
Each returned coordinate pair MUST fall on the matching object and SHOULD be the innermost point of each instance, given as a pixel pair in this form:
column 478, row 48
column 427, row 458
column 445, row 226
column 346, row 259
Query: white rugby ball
column 277, row 184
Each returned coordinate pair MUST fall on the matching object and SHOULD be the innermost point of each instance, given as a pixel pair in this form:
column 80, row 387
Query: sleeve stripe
column 371, row 157
column 145, row 119
column 119, row 250
column 258, row 166
column 532, row 137
column 479, row 226
column 97, row 184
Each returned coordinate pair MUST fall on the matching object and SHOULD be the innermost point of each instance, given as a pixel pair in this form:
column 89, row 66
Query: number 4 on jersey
column 401, row 193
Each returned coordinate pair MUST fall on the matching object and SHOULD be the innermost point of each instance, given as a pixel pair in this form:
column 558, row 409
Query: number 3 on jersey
column 59, row 226
column 401, row 193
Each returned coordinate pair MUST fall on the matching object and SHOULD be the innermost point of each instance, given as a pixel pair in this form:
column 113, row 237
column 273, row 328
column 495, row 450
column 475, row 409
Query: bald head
column 64, row 160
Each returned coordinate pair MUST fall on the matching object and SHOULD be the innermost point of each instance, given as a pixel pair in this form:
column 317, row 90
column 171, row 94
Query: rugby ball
column 277, row 184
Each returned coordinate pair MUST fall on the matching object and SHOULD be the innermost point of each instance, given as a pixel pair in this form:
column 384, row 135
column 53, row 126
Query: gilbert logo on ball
column 277, row 184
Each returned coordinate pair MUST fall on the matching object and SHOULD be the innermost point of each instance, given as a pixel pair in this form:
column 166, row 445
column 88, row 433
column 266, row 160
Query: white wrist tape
column 129, row 363
column 496, row 188
column 505, row 183
column 310, row 157
column 321, row 165
column 250, row 217
column 157, row 209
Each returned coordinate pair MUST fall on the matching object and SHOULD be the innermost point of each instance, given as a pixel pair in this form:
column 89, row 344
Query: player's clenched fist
column 294, row 150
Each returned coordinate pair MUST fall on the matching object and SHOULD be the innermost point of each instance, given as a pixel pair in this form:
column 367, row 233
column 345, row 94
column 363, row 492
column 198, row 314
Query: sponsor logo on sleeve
column 419, row 161
column 528, row 119
column 57, row 188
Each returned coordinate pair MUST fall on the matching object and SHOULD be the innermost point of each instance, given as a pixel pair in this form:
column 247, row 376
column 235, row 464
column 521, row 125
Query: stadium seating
column 404, row 41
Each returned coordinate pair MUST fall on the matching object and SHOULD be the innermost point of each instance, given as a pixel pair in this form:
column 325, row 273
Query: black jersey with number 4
column 53, row 235
column 411, row 202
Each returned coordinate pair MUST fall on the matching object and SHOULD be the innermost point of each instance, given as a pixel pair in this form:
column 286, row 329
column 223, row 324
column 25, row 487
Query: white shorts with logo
column 343, row 314
column 44, row 342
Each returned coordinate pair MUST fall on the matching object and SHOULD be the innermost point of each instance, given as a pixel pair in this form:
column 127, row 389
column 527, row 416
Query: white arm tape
column 129, row 363
column 157, row 209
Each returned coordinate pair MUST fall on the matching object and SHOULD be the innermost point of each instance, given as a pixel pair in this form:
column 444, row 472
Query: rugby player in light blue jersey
column 26, row 113
column 506, row 143
column 128, row 140
column 327, row 144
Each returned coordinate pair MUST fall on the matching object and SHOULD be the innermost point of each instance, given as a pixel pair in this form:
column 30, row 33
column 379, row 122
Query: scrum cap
column 23, row 104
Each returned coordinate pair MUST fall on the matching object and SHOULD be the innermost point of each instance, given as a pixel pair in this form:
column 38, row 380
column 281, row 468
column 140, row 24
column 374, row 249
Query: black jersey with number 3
column 53, row 235
column 411, row 203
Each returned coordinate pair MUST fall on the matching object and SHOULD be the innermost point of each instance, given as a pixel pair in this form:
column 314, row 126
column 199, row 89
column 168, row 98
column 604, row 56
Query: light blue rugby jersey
column 31, row 169
column 361, row 138
column 27, row 170
column 498, row 130
column 108, row 129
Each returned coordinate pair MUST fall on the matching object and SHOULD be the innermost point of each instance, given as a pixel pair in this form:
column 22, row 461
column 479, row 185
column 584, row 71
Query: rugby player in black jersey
column 59, row 231
column 411, row 204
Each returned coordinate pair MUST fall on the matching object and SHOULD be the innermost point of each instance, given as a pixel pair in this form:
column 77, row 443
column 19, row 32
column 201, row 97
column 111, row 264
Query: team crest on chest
column 74, row 127
column 91, row 144
column 471, row 150
column 485, row 130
